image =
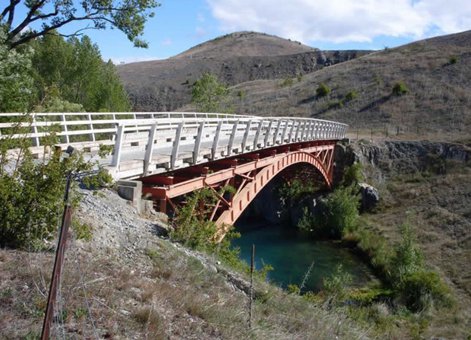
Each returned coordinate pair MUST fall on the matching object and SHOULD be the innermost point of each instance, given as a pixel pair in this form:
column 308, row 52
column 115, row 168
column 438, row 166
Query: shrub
column 295, row 189
column 342, row 212
column 82, row 231
column 336, row 284
column 453, row 60
column 399, row 89
column 322, row 90
column 352, row 174
column 423, row 289
column 286, row 82
column 351, row 95
column 408, row 258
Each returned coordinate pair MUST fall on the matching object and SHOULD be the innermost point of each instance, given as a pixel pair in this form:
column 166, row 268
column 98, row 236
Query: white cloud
column 343, row 20
column 167, row 42
column 132, row 59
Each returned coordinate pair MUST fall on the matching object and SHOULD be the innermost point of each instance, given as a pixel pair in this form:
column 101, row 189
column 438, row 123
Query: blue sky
column 336, row 24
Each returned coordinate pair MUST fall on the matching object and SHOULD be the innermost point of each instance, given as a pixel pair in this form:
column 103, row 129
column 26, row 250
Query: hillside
column 128, row 283
column 436, row 73
column 235, row 58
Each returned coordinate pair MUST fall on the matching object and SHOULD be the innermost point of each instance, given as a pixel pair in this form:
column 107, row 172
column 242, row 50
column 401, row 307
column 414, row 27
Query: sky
column 335, row 24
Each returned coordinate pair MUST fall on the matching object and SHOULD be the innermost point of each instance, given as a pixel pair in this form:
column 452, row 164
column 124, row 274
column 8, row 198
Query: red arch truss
column 248, row 173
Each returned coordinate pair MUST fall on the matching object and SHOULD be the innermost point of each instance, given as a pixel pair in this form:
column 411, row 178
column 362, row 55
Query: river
column 291, row 251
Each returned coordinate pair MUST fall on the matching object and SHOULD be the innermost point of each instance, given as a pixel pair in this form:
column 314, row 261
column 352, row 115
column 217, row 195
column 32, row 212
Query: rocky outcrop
column 369, row 196
column 391, row 158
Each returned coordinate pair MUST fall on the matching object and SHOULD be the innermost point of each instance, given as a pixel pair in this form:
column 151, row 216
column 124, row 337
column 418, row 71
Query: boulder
column 369, row 196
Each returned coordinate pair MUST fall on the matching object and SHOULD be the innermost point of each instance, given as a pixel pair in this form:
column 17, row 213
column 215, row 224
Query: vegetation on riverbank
column 407, row 283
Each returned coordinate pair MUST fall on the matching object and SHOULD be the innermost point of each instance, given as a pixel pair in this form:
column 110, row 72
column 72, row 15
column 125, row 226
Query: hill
column 435, row 102
column 235, row 58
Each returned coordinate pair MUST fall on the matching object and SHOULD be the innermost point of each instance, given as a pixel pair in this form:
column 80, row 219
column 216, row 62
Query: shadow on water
column 291, row 251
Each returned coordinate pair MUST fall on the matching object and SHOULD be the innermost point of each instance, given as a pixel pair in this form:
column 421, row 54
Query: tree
column 129, row 16
column 209, row 94
column 16, row 85
column 74, row 71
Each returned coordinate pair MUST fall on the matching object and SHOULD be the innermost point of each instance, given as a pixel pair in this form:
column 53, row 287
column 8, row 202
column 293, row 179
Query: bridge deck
column 150, row 143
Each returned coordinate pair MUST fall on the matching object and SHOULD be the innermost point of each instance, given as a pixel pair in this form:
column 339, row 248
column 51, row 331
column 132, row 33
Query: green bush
column 341, row 215
column 337, row 283
column 423, row 289
column 83, row 231
column 453, row 60
column 322, row 90
column 295, row 189
column 408, row 257
column 352, row 175
column 286, row 82
column 399, row 89
column 351, row 95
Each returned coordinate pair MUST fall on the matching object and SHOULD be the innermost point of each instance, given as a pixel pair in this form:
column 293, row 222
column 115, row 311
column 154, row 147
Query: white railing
column 171, row 138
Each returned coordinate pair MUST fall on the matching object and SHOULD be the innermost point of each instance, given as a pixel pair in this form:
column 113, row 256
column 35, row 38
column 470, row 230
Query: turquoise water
column 290, row 252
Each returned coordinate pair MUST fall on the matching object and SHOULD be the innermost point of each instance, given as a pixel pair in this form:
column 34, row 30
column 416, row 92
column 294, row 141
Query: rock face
column 407, row 157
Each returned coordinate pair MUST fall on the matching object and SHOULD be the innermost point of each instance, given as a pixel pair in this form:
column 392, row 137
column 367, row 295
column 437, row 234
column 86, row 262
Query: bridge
column 173, row 153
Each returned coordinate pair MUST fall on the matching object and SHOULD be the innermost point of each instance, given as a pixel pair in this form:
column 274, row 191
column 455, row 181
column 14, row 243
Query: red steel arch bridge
column 175, row 153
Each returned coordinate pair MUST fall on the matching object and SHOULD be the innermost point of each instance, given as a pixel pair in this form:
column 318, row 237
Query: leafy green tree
column 43, row 16
column 73, row 71
column 16, row 85
column 209, row 95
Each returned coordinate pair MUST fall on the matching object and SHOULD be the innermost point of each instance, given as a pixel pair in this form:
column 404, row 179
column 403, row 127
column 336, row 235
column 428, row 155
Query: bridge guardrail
column 225, row 134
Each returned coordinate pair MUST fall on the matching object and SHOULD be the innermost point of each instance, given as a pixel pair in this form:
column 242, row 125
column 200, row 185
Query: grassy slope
column 438, row 205
column 150, row 289
column 437, row 105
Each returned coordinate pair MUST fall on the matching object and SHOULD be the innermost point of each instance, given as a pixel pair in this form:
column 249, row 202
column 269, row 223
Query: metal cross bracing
column 248, row 174
column 147, row 143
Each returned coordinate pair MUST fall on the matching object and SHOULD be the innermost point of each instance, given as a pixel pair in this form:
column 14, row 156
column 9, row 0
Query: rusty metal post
column 58, row 262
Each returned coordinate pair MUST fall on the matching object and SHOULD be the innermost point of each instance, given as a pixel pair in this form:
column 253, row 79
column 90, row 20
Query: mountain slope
column 436, row 73
column 235, row 58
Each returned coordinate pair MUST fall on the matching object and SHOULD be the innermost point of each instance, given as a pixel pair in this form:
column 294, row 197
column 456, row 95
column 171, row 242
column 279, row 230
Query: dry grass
column 438, row 205
column 172, row 295
column 437, row 105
